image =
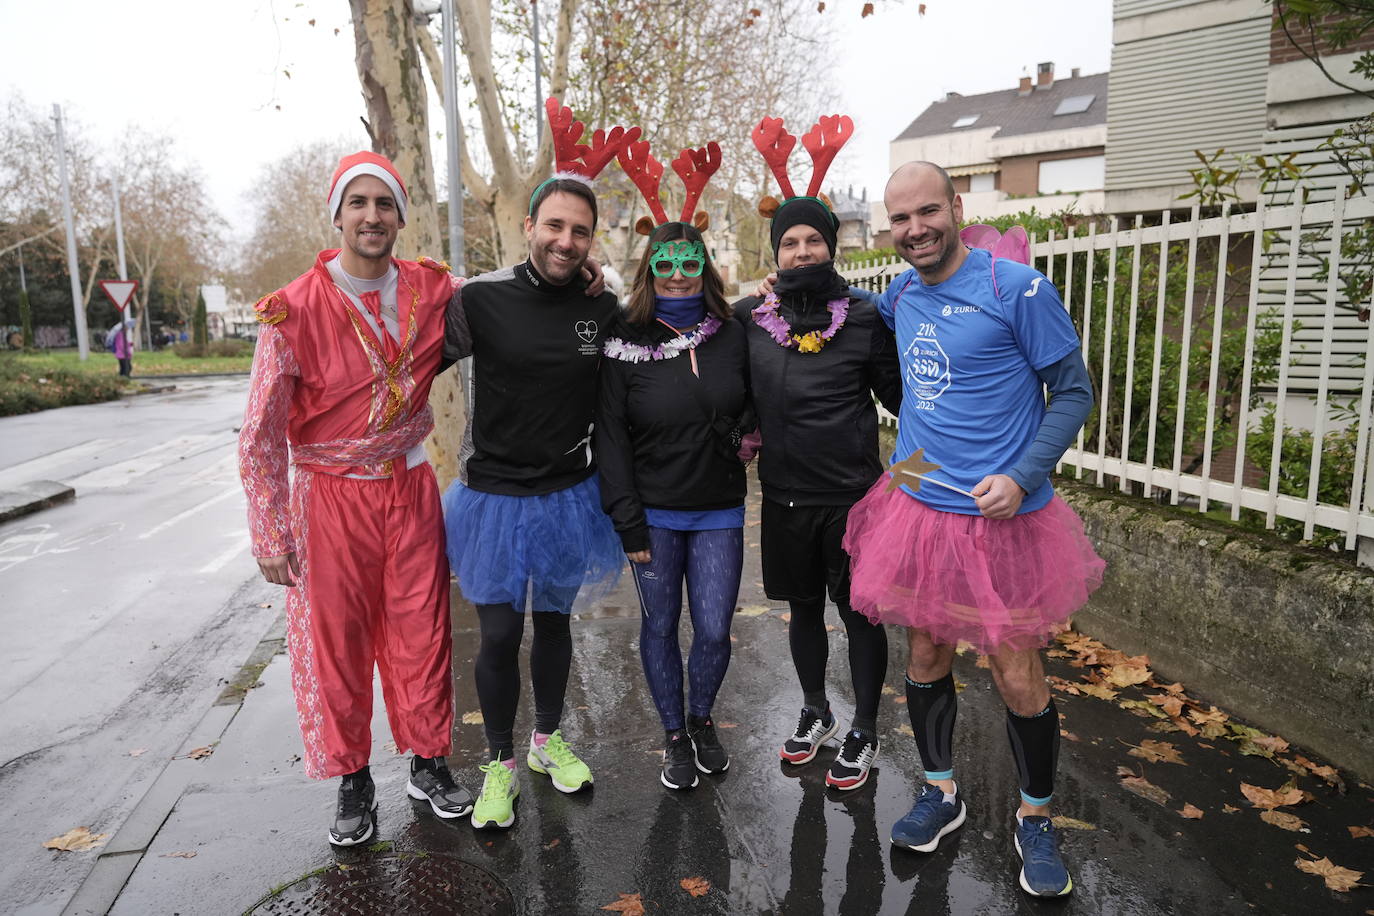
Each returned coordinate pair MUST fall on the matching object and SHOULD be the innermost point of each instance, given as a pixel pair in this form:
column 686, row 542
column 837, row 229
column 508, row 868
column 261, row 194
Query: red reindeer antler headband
column 694, row 166
column 577, row 160
column 822, row 141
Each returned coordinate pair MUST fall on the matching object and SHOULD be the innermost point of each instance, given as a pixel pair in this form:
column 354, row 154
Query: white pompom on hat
column 366, row 163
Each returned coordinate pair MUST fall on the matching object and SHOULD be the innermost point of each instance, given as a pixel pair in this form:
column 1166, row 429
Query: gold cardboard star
column 913, row 469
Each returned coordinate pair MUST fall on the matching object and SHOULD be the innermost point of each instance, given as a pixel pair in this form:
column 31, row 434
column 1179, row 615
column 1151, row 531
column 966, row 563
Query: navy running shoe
column 928, row 820
column 1042, row 870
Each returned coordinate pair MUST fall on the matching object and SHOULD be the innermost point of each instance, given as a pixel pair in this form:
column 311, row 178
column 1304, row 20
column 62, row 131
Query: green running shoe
column 496, row 805
column 558, row 762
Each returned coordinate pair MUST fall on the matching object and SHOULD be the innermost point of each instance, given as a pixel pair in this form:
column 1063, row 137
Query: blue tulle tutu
column 502, row 547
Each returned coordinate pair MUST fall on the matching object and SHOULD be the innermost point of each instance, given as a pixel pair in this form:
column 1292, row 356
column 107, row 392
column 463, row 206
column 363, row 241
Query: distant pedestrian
column 977, row 548
column 119, row 340
column 672, row 410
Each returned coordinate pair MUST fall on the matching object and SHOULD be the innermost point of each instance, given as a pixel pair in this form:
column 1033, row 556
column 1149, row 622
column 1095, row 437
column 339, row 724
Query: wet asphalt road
column 768, row 837
column 119, row 613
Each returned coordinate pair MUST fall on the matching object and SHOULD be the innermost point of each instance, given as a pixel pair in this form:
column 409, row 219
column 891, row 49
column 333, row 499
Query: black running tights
column 498, row 671
column 867, row 655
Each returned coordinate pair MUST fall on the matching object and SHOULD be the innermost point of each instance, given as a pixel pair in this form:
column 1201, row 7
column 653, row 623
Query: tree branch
column 1313, row 55
column 473, row 181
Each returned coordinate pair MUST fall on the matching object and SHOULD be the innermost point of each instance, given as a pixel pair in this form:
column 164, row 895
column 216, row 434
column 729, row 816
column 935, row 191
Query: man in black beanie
column 817, row 356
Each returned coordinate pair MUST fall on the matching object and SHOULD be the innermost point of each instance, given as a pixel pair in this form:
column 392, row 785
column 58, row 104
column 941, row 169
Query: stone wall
column 1280, row 635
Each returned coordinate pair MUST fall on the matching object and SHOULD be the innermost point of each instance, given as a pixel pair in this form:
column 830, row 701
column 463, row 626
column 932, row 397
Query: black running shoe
column 812, row 731
column 354, row 818
column 850, row 768
column 431, row 781
column 679, row 762
column 711, row 756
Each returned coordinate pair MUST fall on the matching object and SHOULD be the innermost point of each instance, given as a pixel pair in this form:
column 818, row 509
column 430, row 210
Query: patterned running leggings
column 710, row 562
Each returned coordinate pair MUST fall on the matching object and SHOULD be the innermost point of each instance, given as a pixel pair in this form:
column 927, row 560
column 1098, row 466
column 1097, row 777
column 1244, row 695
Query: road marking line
column 146, row 462
column 41, row 468
column 182, row 516
column 225, row 558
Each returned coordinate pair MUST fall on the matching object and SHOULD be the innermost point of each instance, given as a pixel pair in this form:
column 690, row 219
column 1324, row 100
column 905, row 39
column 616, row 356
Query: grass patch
column 27, row 389
column 223, row 356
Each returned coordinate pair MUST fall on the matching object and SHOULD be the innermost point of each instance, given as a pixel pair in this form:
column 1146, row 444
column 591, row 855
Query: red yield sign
column 119, row 291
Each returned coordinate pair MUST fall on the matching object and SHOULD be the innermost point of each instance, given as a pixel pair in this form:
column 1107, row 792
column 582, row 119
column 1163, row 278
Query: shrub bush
column 24, row 391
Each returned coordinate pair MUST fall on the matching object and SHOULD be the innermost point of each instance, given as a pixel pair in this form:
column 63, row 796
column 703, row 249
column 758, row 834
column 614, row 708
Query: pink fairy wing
column 1014, row 246
column 979, row 235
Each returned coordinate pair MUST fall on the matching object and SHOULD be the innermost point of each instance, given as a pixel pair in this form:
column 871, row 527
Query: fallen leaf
column 473, row 718
column 1170, row 704
column 1058, row 683
column 391, row 748
column 197, row 753
column 1069, row 736
column 1166, row 726
column 785, row 617
column 1336, row 878
column 753, row 610
column 889, row 690
column 552, row 843
column 1301, row 848
column 1287, row 794
column 1285, row 820
column 138, row 752
column 866, row 11
column 77, row 839
column 982, row 662
column 1101, row 691
column 1229, row 809
column 1156, row 752
column 899, row 700
column 1357, row 832
column 727, row 725
column 1212, row 715
column 1272, row 743
column 1141, row 786
column 178, row 855
column 905, row 729
column 1128, row 676
column 1175, row 688
column 1192, row 812
column 1143, row 709
column 830, row 628
column 1069, row 823
column 697, row 887
column 629, row 904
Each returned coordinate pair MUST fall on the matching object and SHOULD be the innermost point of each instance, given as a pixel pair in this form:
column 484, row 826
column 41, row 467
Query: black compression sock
column 1035, row 747
column 933, row 708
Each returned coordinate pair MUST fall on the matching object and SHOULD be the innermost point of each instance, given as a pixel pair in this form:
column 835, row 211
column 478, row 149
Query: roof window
column 967, row 120
column 1075, row 104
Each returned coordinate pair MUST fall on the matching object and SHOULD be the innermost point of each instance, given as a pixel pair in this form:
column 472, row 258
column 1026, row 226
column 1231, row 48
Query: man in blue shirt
column 965, row 541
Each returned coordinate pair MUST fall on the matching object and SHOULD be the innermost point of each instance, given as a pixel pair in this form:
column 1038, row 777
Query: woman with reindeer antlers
column 673, row 394
column 817, row 355
column 524, row 520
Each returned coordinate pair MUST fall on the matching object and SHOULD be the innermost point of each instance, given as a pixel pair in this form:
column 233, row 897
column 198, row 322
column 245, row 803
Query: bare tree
column 290, row 223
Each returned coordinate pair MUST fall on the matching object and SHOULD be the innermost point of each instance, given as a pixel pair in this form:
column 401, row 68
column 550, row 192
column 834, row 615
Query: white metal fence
column 1196, row 400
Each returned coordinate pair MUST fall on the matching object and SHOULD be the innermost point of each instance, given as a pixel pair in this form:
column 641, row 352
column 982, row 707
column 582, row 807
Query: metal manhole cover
column 423, row 885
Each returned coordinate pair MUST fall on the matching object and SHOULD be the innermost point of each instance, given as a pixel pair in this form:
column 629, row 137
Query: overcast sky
column 212, row 74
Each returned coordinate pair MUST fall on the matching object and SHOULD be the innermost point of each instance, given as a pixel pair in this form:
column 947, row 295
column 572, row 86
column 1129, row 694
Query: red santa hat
column 365, row 163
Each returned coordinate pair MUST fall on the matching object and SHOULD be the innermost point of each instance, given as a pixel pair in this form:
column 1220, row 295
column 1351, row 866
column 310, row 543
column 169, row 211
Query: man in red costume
column 342, row 373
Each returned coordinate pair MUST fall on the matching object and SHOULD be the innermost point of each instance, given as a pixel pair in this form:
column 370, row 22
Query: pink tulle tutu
column 1009, row 583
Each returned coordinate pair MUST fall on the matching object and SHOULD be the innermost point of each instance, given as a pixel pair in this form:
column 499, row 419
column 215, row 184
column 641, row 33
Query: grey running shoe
column 354, row 817
column 434, row 783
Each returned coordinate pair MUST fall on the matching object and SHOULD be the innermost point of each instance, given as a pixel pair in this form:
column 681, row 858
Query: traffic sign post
column 121, row 293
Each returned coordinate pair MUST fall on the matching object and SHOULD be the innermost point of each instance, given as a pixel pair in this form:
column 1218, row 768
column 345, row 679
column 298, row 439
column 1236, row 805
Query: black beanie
column 807, row 211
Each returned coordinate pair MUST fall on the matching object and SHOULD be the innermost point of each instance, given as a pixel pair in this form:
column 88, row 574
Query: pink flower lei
column 766, row 316
column 619, row 349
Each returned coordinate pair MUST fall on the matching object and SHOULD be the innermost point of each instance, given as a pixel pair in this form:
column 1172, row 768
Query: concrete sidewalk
column 244, row 823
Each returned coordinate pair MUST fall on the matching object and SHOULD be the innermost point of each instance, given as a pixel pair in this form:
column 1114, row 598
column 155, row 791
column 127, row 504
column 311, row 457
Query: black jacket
column 662, row 433
column 536, row 349
column 815, row 410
